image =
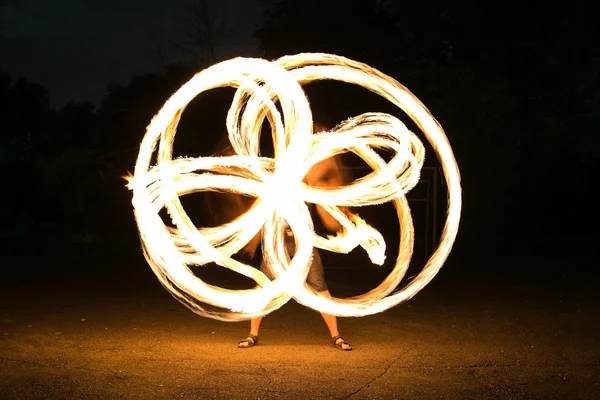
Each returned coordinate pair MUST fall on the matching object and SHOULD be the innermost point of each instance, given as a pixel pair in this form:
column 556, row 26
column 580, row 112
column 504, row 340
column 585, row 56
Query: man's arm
column 249, row 250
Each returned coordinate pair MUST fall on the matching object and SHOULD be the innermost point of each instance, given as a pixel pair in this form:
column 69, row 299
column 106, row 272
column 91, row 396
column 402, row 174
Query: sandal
column 341, row 344
column 250, row 341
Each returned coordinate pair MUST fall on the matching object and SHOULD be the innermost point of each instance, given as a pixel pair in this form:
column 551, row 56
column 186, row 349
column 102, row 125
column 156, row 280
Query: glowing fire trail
column 281, row 194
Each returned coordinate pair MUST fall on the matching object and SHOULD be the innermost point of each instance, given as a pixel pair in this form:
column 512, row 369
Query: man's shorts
column 316, row 275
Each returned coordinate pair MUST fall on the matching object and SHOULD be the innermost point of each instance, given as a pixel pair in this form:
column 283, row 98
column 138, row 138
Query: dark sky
column 76, row 47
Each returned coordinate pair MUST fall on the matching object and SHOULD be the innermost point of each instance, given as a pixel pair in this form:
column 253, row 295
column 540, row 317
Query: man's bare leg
column 331, row 322
column 255, row 325
column 252, row 338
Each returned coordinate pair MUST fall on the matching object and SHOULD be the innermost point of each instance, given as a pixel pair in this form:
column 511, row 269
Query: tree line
column 516, row 89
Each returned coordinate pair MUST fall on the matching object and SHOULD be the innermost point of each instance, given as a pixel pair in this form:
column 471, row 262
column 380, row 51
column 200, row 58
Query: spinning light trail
column 277, row 184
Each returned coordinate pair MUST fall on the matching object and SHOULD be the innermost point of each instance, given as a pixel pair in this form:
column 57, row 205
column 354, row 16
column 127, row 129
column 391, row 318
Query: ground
column 72, row 333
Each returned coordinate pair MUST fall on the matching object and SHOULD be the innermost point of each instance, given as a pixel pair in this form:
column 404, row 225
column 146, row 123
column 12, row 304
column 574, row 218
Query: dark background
column 514, row 84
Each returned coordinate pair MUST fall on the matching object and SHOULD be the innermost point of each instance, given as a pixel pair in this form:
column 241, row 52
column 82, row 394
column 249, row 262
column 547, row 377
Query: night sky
column 75, row 48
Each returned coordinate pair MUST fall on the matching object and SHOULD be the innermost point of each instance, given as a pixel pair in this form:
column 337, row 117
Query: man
column 327, row 173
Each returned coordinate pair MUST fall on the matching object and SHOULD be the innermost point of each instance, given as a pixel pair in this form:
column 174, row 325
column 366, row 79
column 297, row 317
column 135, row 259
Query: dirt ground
column 76, row 335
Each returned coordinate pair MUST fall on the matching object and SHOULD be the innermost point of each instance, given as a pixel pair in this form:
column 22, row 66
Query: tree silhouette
column 505, row 84
column 46, row 160
column 516, row 89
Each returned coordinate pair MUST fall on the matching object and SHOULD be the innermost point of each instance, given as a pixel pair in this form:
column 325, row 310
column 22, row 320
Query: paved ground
column 73, row 334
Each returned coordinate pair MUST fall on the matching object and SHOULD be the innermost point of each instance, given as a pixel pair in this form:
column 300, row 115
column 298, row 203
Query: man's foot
column 250, row 341
column 341, row 344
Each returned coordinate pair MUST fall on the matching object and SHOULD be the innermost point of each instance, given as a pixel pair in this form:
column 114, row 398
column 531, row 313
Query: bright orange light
column 277, row 185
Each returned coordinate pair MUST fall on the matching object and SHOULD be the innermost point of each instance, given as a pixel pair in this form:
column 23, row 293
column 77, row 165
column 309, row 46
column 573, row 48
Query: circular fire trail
column 272, row 91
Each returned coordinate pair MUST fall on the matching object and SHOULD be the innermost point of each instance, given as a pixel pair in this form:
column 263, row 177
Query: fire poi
column 272, row 90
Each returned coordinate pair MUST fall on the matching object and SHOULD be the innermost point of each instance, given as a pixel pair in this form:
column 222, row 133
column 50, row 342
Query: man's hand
column 249, row 250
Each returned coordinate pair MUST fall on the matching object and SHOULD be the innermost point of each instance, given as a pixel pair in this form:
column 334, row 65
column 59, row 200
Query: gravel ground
column 69, row 334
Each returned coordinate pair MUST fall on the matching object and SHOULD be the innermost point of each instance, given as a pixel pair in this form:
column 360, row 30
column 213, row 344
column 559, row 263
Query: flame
column 277, row 184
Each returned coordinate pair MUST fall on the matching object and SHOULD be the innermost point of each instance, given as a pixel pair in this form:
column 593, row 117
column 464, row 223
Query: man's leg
column 252, row 338
column 255, row 325
column 331, row 322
